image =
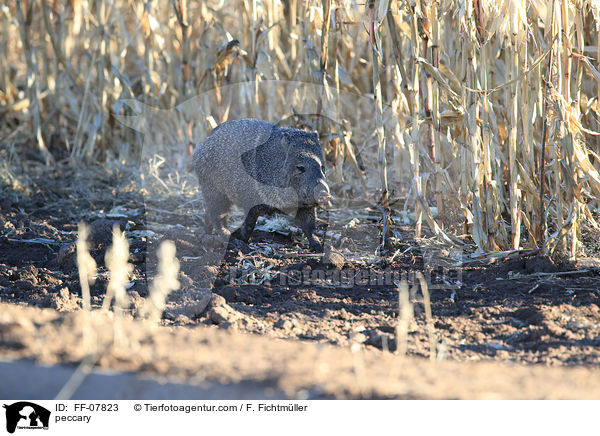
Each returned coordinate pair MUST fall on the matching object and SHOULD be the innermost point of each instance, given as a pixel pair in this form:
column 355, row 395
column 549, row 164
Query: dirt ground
column 265, row 366
column 524, row 309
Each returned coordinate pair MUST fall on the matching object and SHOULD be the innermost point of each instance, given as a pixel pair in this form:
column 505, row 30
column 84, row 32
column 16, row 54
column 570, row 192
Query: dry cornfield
column 495, row 104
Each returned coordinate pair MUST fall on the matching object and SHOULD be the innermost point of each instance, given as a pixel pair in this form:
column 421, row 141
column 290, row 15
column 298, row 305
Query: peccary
column 264, row 169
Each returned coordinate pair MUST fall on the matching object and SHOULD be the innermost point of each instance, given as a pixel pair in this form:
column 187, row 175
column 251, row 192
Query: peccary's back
column 227, row 142
column 218, row 164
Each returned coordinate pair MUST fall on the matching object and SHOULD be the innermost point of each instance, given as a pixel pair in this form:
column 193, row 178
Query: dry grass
column 405, row 317
column 164, row 283
column 117, row 262
column 119, row 270
column 86, row 265
column 487, row 108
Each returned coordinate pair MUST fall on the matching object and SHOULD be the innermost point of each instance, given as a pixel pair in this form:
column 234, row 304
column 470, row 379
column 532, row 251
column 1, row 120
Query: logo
column 26, row 415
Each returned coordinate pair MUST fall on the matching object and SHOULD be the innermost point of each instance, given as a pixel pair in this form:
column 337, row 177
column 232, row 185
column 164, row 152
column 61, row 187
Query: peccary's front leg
column 244, row 232
column 306, row 218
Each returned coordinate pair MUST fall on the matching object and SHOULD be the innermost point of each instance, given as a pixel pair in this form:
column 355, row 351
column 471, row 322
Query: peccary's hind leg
column 244, row 232
column 306, row 218
column 217, row 204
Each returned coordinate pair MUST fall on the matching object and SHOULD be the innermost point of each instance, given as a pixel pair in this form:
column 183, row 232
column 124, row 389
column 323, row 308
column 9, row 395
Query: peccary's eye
column 300, row 168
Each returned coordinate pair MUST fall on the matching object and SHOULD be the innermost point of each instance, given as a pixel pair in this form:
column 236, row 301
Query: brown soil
column 523, row 310
column 299, row 369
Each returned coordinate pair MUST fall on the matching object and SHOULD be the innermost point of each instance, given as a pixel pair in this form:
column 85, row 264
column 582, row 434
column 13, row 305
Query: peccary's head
column 291, row 158
column 306, row 167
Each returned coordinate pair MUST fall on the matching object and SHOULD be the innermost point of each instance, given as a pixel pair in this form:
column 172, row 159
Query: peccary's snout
column 309, row 181
column 321, row 192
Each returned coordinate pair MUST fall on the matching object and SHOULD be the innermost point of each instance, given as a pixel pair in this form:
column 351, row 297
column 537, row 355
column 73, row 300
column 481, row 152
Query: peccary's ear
column 268, row 163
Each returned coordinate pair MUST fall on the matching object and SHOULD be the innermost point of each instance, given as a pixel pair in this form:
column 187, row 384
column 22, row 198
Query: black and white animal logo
column 26, row 415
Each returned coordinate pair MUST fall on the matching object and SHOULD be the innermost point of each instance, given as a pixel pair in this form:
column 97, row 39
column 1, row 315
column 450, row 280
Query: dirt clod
column 64, row 301
column 334, row 259
column 191, row 307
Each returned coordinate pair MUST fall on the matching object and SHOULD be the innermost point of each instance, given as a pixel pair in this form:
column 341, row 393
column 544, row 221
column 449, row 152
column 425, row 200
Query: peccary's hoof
column 235, row 248
column 316, row 247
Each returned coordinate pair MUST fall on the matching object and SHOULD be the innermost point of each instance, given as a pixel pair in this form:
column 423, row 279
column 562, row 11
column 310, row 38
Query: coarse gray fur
column 262, row 168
